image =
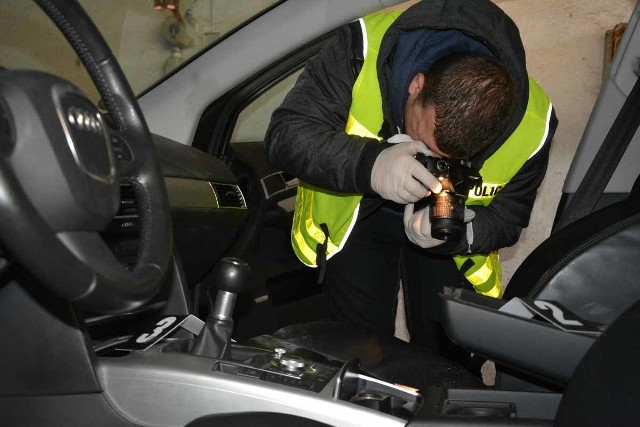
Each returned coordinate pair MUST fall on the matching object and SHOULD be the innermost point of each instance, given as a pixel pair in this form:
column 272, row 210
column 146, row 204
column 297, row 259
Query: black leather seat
column 591, row 266
column 604, row 390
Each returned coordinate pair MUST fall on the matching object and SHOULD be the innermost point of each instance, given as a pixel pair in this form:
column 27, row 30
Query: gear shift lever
column 231, row 276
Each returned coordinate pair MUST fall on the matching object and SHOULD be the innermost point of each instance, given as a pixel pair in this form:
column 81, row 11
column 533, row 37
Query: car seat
column 604, row 388
column 590, row 266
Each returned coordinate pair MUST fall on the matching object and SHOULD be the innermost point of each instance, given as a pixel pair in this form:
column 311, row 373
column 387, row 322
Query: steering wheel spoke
column 90, row 248
column 110, row 274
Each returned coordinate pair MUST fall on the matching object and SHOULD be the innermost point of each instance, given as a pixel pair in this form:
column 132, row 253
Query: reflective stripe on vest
column 316, row 206
column 529, row 137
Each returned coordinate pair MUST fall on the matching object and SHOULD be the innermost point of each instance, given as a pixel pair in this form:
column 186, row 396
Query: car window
column 150, row 39
column 254, row 119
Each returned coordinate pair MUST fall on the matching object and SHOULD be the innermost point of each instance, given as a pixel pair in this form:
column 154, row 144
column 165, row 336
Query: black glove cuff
column 365, row 165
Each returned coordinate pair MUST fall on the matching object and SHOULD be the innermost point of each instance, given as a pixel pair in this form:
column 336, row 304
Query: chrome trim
column 215, row 193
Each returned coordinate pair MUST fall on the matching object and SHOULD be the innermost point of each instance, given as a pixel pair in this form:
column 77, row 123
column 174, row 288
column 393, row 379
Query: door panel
column 283, row 290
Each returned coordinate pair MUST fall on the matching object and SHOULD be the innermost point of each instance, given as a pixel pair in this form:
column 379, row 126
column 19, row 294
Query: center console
column 196, row 367
column 541, row 338
column 248, row 379
column 345, row 383
column 282, row 378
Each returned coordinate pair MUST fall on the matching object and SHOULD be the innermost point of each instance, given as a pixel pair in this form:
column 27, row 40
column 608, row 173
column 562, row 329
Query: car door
column 233, row 128
column 606, row 161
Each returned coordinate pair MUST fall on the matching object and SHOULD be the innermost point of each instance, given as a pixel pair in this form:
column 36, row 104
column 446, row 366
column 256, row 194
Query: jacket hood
column 415, row 52
column 481, row 20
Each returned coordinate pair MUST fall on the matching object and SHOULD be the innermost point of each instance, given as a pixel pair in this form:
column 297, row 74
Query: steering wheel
column 60, row 180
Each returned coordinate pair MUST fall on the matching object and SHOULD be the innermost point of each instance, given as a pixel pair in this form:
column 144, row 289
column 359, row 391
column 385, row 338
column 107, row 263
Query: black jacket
column 306, row 135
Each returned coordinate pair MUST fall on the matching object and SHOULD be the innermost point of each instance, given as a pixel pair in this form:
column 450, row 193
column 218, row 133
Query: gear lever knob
column 231, row 276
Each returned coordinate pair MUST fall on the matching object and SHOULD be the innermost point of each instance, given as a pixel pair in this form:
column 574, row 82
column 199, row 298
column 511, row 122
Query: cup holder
column 480, row 409
column 382, row 403
column 359, row 389
column 372, row 401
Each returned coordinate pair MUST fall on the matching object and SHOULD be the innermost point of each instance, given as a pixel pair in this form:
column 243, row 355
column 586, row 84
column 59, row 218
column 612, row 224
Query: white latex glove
column 417, row 226
column 396, row 174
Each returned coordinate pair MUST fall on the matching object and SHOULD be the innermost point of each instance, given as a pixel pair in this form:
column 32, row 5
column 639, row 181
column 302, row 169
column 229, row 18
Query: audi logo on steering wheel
column 82, row 119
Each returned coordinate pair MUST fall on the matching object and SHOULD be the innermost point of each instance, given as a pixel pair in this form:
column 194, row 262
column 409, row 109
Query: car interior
column 147, row 282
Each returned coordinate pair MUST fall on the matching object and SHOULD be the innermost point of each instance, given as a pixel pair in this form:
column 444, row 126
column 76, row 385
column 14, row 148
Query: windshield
column 150, row 38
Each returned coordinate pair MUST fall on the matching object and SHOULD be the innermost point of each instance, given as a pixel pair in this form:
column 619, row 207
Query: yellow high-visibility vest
column 324, row 219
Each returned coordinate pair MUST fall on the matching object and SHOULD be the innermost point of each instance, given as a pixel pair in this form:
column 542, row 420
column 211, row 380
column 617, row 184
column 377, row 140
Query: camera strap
column 321, row 254
column 463, row 269
column 357, row 44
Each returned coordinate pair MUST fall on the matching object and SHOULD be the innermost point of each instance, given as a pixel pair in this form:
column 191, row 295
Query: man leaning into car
column 446, row 78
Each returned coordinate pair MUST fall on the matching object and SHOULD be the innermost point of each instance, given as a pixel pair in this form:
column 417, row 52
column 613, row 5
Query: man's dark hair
column 473, row 98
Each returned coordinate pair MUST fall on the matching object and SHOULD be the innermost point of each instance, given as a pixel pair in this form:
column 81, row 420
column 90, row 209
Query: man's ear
column 416, row 84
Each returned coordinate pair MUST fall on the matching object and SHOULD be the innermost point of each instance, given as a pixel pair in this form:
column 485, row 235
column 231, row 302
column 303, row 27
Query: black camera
column 446, row 211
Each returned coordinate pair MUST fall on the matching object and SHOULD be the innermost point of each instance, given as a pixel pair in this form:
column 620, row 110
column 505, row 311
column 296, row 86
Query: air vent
column 228, row 196
column 122, row 234
column 128, row 205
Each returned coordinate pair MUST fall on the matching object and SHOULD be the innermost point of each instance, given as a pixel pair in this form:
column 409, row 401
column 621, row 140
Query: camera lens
column 447, row 216
column 442, row 165
column 446, row 209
